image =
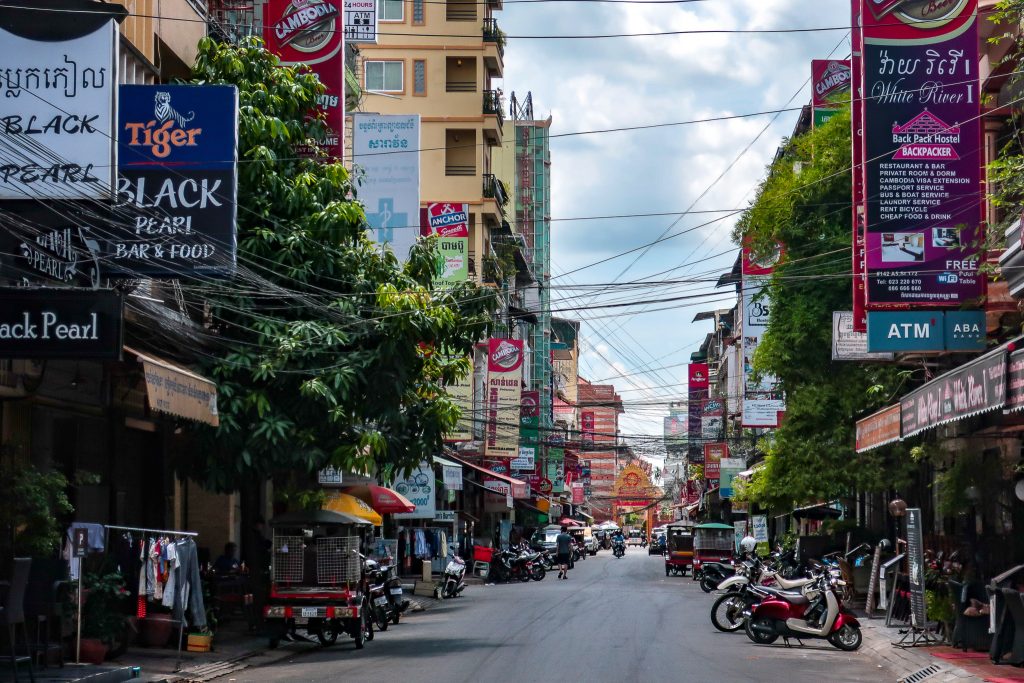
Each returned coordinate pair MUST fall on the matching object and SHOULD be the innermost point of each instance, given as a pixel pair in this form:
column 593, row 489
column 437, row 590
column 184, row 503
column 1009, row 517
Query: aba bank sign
column 902, row 331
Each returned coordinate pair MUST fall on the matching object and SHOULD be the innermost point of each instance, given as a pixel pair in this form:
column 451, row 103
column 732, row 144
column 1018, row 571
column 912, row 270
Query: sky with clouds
column 621, row 82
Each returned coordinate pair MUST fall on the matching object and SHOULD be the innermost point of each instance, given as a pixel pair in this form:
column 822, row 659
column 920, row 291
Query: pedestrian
column 563, row 550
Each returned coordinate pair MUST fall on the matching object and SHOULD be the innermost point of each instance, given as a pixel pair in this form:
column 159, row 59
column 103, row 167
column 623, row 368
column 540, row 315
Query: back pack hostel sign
column 58, row 77
column 878, row 429
column 830, row 79
column 847, row 343
column 360, row 21
column 762, row 398
column 923, row 152
column 61, row 323
column 385, row 151
column 450, row 223
column 971, row 389
column 926, row 331
column 177, row 157
column 310, row 32
column 418, row 486
column 504, row 388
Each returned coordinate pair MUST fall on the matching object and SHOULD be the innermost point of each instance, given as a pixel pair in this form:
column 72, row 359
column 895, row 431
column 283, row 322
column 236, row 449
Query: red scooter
column 816, row 612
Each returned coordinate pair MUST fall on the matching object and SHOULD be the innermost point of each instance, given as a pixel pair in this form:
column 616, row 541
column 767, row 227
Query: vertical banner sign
column 762, row 398
column 461, row 393
column 504, row 389
column 529, row 431
column 915, row 558
column 386, row 149
column 728, row 469
column 177, row 163
column 759, row 530
column 858, row 220
column 310, row 32
column 587, row 424
column 698, row 382
column 556, row 469
column 712, row 419
column 923, row 153
column 450, row 223
column 57, row 102
column 713, row 455
column 831, row 87
column 360, row 21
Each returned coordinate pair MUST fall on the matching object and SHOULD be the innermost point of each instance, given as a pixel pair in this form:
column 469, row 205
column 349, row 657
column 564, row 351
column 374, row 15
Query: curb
column 904, row 663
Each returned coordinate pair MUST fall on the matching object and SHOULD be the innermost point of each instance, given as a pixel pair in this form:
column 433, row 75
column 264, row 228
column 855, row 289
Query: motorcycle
column 453, row 579
column 508, row 565
column 385, row 594
column 745, row 590
column 619, row 549
column 816, row 612
column 711, row 574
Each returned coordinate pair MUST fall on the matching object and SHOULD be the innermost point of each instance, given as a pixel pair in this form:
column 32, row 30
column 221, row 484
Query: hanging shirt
column 444, row 544
column 421, row 549
column 171, row 553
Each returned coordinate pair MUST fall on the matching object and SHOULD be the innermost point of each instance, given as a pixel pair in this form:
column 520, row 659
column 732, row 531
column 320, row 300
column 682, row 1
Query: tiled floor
column 978, row 664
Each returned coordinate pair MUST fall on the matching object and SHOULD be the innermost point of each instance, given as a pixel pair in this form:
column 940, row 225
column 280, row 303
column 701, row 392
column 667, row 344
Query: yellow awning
column 178, row 391
column 350, row 505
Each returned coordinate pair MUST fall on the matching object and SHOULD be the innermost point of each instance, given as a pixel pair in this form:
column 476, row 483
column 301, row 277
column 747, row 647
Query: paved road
column 614, row 620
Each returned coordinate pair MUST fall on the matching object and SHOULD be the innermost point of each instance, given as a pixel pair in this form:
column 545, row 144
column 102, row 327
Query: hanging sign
column 58, row 101
column 61, row 323
column 713, row 454
column 847, row 343
column 698, row 383
column 712, row 419
column 504, row 388
column 830, row 80
column 360, row 21
column 418, row 487
column 450, row 224
column 461, row 394
column 451, row 475
column 310, row 32
column 762, row 398
column 923, row 153
column 178, row 176
column 878, row 429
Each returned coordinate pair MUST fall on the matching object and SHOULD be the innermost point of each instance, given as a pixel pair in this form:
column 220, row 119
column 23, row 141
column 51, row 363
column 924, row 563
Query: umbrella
column 350, row 505
column 380, row 498
column 568, row 521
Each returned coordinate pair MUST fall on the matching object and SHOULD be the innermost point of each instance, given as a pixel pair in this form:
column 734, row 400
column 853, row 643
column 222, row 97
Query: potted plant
column 103, row 621
column 156, row 628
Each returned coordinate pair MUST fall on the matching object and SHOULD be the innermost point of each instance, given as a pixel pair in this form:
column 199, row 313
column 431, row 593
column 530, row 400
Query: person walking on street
column 563, row 550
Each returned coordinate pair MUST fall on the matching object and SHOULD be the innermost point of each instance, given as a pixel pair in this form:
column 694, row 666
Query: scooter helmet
column 748, row 544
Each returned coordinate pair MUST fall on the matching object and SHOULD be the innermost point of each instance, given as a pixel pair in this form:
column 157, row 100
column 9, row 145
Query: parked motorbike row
column 759, row 599
column 384, row 593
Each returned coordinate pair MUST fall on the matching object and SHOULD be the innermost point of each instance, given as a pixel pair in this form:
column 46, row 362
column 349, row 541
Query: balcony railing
column 493, row 34
column 492, row 105
column 494, row 189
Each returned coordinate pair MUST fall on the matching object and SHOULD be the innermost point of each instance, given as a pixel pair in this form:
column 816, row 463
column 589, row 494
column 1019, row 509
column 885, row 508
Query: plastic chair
column 12, row 612
column 1015, row 611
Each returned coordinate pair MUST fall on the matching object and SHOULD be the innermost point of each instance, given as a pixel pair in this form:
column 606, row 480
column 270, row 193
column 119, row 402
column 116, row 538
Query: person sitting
column 228, row 562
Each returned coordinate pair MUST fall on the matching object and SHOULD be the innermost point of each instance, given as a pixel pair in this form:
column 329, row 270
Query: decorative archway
column 634, row 491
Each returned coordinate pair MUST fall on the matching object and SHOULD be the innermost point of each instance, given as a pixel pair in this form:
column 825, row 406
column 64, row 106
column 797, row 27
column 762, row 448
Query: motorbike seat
column 792, row 597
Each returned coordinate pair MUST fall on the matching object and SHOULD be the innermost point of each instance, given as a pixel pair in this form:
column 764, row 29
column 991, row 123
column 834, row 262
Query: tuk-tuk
column 678, row 548
column 712, row 542
column 315, row 576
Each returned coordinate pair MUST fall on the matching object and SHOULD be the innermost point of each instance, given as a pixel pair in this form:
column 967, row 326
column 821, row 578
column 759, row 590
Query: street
column 613, row 620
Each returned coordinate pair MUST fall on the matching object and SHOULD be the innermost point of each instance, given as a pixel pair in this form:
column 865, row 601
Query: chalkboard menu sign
column 915, row 556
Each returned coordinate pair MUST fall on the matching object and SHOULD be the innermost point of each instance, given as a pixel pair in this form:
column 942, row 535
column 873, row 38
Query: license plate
column 381, row 601
column 308, row 612
column 396, row 591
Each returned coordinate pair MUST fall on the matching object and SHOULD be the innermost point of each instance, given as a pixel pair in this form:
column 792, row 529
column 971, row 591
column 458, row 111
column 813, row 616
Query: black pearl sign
column 61, row 323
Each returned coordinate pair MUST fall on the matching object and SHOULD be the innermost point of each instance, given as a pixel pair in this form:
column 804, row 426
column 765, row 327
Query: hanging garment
column 421, row 549
column 188, row 585
column 171, row 553
column 444, row 545
column 158, row 574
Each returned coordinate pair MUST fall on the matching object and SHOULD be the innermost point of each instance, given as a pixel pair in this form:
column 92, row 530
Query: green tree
column 329, row 351
column 804, row 203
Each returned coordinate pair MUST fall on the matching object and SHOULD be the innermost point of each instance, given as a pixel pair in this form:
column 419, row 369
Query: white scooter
column 453, row 578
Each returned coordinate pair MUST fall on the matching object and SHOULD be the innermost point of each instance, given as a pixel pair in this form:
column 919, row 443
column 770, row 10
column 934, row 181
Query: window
column 417, row 11
column 391, row 10
column 385, row 76
column 419, row 77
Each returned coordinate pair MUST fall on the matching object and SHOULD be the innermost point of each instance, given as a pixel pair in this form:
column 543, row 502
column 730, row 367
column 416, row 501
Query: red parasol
column 571, row 522
column 380, row 498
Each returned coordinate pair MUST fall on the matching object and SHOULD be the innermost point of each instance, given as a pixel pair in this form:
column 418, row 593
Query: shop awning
column 446, row 462
column 818, row 511
column 525, row 504
column 519, row 487
column 175, row 390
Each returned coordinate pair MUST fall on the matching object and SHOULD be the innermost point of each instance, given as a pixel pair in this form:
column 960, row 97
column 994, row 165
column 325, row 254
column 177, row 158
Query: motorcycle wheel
column 380, row 619
column 396, row 617
column 537, row 572
column 761, row 637
column 707, row 584
column 668, row 570
column 848, row 638
column 327, row 634
column 727, row 612
column 524, row 575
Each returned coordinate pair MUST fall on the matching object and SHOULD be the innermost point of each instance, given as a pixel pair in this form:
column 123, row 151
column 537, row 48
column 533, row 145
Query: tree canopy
column 327, row 350
column 805, row 204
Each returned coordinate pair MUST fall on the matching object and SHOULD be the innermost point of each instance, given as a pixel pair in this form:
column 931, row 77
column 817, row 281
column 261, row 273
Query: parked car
column 635, row 537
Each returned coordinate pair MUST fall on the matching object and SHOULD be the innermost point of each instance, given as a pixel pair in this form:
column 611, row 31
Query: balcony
column 494, row 47
column 495, row 189
column 460, row 74
column 460, row 10
column 492, row 107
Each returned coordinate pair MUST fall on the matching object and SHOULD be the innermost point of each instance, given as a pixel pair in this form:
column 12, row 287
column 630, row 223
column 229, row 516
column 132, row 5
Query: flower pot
column 93, row 651
column 156, row 630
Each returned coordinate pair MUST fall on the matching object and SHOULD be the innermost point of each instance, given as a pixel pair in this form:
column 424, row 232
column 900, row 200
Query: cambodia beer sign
column 310, row 32
column 58, row 89
column 923, row 153
column 830, row 79
column 61, row 323
column 177, row 150
column 504, row 389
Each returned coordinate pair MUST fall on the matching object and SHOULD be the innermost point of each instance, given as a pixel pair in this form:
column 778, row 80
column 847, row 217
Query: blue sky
column 597, row 84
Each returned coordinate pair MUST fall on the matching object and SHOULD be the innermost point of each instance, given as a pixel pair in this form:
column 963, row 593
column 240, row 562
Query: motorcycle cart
column 316, row 576
column 579, row 537
column 678, row 548
column 712, row 542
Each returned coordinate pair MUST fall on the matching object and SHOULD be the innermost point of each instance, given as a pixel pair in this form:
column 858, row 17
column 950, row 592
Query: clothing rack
column 106, row 545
